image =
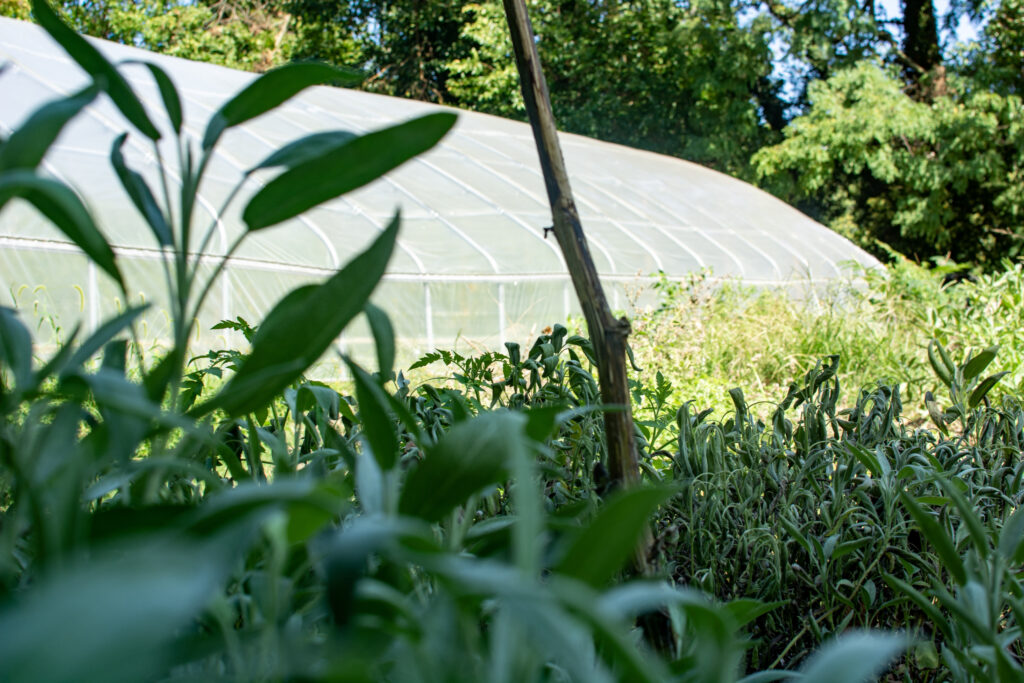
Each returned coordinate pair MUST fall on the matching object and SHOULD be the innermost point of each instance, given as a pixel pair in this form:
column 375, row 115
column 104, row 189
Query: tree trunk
column 921, row 47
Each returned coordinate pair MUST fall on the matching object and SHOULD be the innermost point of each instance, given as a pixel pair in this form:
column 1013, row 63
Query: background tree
column 687, row 79
column 712, row 81
column 939, row 178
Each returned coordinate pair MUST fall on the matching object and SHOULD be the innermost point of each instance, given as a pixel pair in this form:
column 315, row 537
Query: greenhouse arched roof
column 473, row 261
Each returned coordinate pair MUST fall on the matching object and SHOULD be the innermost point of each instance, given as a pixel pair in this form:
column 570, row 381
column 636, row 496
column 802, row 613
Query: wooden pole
column 607, row 333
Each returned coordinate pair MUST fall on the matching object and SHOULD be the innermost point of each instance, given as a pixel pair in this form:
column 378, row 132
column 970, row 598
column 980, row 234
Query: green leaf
column 342, row 169
column 472, row 455
column 940, row 362
column 140, row 194
column 384, row 339
column 986, row 386
column 315, row 394
column 310, row 505
column 63, row 207
column 304, row 148
column 98, row 339
column 168, row 93
column 631, row 663
column 939, row 539
column 1011, row 537
column 977, row 365
column 300, row 328
column 117, row 615
column 369, row 484
column 15, row 347
column 601, row 549
column 716, row 649
column 159, row 377
column 102, row 71
column 29, row 143
column 745, row 610
column 377, row 423
column 925, row 603
column 346, row 555
column 975, row 528
column 270, row 91
column 853, row 658
column 935, row 412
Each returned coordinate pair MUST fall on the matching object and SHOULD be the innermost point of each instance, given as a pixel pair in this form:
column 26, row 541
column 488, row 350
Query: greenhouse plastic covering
column 473, row 267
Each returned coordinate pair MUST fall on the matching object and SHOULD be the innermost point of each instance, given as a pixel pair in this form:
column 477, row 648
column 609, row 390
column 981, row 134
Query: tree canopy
column 880, row 125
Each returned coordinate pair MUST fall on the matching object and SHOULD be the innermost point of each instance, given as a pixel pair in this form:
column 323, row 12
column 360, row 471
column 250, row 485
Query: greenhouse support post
column 607, row 332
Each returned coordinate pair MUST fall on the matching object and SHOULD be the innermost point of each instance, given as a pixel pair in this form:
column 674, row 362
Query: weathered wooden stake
column 607, row 333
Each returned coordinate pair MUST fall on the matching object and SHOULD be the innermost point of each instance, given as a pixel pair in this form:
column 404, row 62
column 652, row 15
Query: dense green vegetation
column 706, row 339
column 227, row 518
column 883, row 127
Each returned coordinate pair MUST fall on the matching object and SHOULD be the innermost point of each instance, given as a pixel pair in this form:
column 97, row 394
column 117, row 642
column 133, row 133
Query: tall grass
column 707, row 338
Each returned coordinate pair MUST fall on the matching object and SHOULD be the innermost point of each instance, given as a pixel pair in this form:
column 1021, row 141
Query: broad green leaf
column 797, row 536
column 847, row 547
column 116, row 616
column 745, row 610
column 939, row 539
column 271, row 90
column 542, row 421
column 348, row 550
column 632, row 663
column 876, row 464
column 601, row 549
column 559, row 632
column 304, row 148
column 1011, row 537
column 560, row 637
column 29, row 143
column 140, row 194
column 977, row 365
column 855, row 657
column 63, row 207
column 15, row 347
column 168, row 93
column 370, row 484
column 112, row 391
column 629, row 600
column 384, row 339
column 315, row 394
column 115, row 356
column 986, row 386
column 98, row 339
column 378, row 427
column 310, row 505
column 96, row 65
column 471, row 456
column 342, row 169
column 159, row 377
column 300, row 328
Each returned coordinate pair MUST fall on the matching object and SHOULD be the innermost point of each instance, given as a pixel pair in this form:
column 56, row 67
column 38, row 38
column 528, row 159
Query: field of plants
column 852, row 511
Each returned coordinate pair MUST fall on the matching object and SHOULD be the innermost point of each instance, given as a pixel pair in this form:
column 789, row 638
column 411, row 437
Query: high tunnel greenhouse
column 473, row 267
